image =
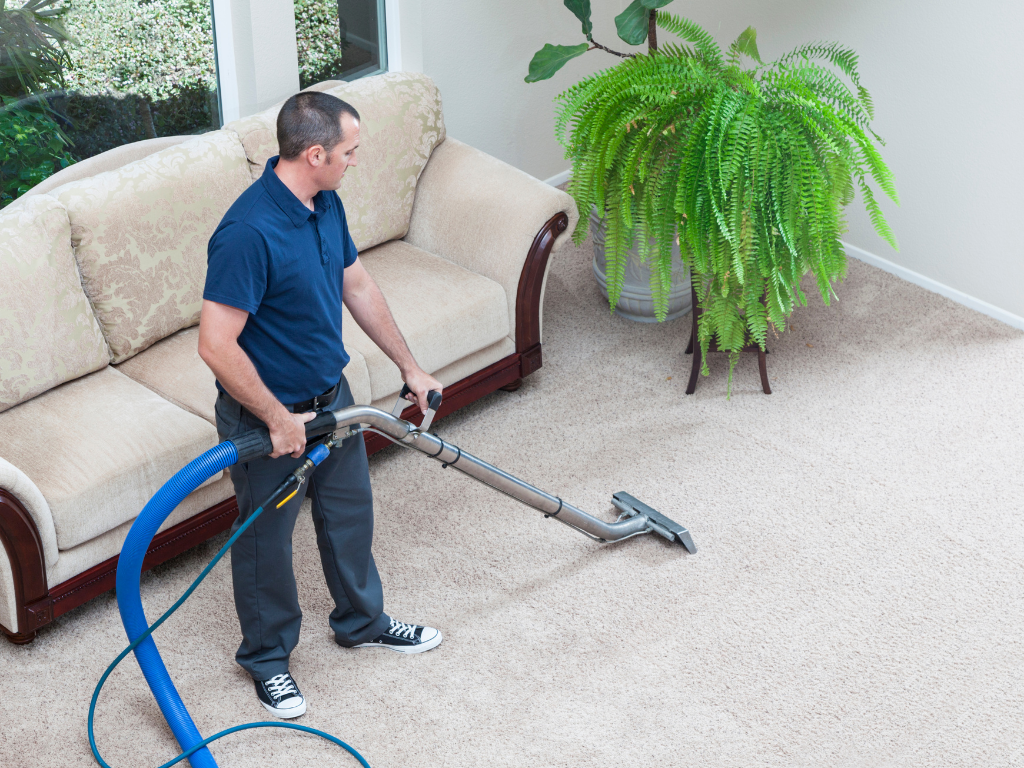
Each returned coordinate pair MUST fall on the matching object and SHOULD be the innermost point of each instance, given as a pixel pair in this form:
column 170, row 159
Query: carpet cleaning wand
column 636, row 518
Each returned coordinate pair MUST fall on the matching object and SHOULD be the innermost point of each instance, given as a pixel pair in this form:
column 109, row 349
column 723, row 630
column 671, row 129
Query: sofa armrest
column 29, row 541
column 482, row 214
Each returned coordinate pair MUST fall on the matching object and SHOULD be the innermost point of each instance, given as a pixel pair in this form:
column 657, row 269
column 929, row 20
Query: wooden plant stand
column 693, row 348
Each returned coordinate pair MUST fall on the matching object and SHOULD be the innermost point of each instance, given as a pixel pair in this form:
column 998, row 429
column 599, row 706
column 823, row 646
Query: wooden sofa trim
column 25, row 552
column 36, row 604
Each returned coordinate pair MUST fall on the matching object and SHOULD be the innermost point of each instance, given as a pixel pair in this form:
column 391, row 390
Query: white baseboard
column 895, row 269
column 935, row 286
column 559, row 178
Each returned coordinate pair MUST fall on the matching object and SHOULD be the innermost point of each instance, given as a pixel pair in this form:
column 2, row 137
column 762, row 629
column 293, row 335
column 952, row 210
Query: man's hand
column 420, row 382
column 288, row 433
column 219, row 328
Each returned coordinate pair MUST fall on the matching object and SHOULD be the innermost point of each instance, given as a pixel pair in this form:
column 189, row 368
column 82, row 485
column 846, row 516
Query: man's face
column 330, row 172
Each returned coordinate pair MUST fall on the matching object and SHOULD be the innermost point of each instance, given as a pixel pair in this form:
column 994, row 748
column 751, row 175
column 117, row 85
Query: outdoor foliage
column 103, row 73
column 748, row 168
column 140, row 70
column 97, row 123
column 154, row 48
column 32, row 51
column 32, row 147
column 320, row 36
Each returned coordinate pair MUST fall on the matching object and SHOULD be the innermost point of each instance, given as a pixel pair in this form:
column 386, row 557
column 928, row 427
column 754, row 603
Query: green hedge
column 141, row 69
column 154, row 48
column 32, row 147
column 318, row 35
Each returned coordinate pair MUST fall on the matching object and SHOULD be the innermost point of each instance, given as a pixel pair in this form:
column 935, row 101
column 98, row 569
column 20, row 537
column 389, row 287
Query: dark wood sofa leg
column 513, row 386
column 19, row 638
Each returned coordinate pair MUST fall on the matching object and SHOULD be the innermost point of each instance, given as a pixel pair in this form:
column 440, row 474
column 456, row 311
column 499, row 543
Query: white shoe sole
column 421, row 648
column 285, row 714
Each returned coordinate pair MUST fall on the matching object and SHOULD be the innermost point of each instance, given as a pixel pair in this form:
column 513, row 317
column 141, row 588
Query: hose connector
column 313, row 459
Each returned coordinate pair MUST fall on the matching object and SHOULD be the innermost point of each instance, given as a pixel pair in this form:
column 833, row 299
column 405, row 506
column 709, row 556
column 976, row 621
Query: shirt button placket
column 324, row 257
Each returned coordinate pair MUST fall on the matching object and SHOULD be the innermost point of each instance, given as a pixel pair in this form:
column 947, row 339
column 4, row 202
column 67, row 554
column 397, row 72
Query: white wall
column 945, row 82
column 479, row 51
column 945, row 79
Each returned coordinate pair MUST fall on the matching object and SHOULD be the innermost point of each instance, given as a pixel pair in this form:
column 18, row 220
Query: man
column 280, row 264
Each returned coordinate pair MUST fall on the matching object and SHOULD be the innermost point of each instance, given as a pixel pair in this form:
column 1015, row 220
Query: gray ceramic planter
column 635, row 302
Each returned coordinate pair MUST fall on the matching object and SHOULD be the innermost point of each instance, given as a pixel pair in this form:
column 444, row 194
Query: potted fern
column 746, row 168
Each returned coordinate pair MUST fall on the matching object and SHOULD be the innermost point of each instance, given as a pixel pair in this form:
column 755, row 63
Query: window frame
column 237, row 29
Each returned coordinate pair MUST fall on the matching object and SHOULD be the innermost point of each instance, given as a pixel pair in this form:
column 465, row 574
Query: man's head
column 318, row 134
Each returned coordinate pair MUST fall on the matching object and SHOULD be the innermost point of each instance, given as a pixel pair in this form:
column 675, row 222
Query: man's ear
column 316, row 155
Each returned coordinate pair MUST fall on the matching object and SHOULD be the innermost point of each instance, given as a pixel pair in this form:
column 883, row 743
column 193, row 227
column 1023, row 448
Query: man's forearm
column 371, row 312
column 236, row 373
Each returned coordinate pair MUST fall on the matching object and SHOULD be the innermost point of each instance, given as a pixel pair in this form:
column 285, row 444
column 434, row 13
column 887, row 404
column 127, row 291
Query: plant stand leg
column 693, row 348
column 762, row 364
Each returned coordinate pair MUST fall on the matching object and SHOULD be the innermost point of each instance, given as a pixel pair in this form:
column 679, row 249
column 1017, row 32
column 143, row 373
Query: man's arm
column 364, row 300
column 219, row 328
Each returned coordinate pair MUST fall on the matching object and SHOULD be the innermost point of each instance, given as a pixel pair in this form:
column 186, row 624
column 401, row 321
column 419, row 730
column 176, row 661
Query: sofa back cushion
column 140, row 234
column 48, row 332
column 401, row 124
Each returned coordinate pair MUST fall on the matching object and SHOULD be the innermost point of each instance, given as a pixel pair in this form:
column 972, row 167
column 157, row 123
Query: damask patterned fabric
column 119, row 443
column 401, row 124
column 140, row 235
column 444, row 311
column 48, row 333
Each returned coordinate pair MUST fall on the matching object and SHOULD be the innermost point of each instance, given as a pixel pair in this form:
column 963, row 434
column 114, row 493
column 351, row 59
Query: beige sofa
column 102, row 393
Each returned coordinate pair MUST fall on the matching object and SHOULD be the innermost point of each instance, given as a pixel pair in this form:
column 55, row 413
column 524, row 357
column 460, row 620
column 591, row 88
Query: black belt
column 316, row 402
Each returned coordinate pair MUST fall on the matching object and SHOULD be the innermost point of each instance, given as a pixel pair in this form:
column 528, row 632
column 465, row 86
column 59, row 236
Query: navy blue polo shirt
column 285, row 265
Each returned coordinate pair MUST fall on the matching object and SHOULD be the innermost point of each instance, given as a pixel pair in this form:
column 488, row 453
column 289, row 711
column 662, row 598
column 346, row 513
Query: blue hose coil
column 129, row 599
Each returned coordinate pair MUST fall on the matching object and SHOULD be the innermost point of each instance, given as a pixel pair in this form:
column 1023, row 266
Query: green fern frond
column 748, row 169
column 691, row 32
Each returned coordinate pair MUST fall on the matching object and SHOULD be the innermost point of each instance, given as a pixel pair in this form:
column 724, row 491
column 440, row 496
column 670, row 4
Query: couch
column 103, row 395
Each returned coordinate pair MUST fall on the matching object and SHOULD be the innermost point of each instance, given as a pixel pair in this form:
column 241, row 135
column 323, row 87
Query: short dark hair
column 311, row 118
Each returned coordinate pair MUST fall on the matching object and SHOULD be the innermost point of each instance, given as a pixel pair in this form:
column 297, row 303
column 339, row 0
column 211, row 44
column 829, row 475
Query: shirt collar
column 286, row 199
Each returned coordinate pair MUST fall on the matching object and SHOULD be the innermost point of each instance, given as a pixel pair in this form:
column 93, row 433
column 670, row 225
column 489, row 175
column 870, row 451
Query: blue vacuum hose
column 129, row 599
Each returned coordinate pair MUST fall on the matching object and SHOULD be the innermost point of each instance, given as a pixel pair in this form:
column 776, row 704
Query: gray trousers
column 266, row 597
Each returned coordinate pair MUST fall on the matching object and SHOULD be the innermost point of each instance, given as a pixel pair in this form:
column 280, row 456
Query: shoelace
column 401, row 629
column 281, row 685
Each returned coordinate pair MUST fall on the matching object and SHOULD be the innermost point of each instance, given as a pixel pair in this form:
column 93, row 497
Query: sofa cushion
column 48, row 332
column 173, row 369
column 401, row 124
column 98, row 448
column 140, row 235
column 444, row 311
column 83, row 557
column 110, row 160
column 458, row 370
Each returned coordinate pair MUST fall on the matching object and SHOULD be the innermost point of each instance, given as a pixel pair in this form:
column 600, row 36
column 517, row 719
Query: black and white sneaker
column 405, row 638
column 281, row 696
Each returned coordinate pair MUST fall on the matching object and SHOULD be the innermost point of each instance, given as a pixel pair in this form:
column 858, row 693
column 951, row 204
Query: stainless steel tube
column 453, row 456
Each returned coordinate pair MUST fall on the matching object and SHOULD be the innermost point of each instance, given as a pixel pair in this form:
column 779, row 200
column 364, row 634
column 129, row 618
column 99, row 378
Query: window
column 91, row 75
column 339, row 39
column 143, row 68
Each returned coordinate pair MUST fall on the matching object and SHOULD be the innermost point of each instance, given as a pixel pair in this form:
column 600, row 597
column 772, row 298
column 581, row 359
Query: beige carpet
column 857, row 598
